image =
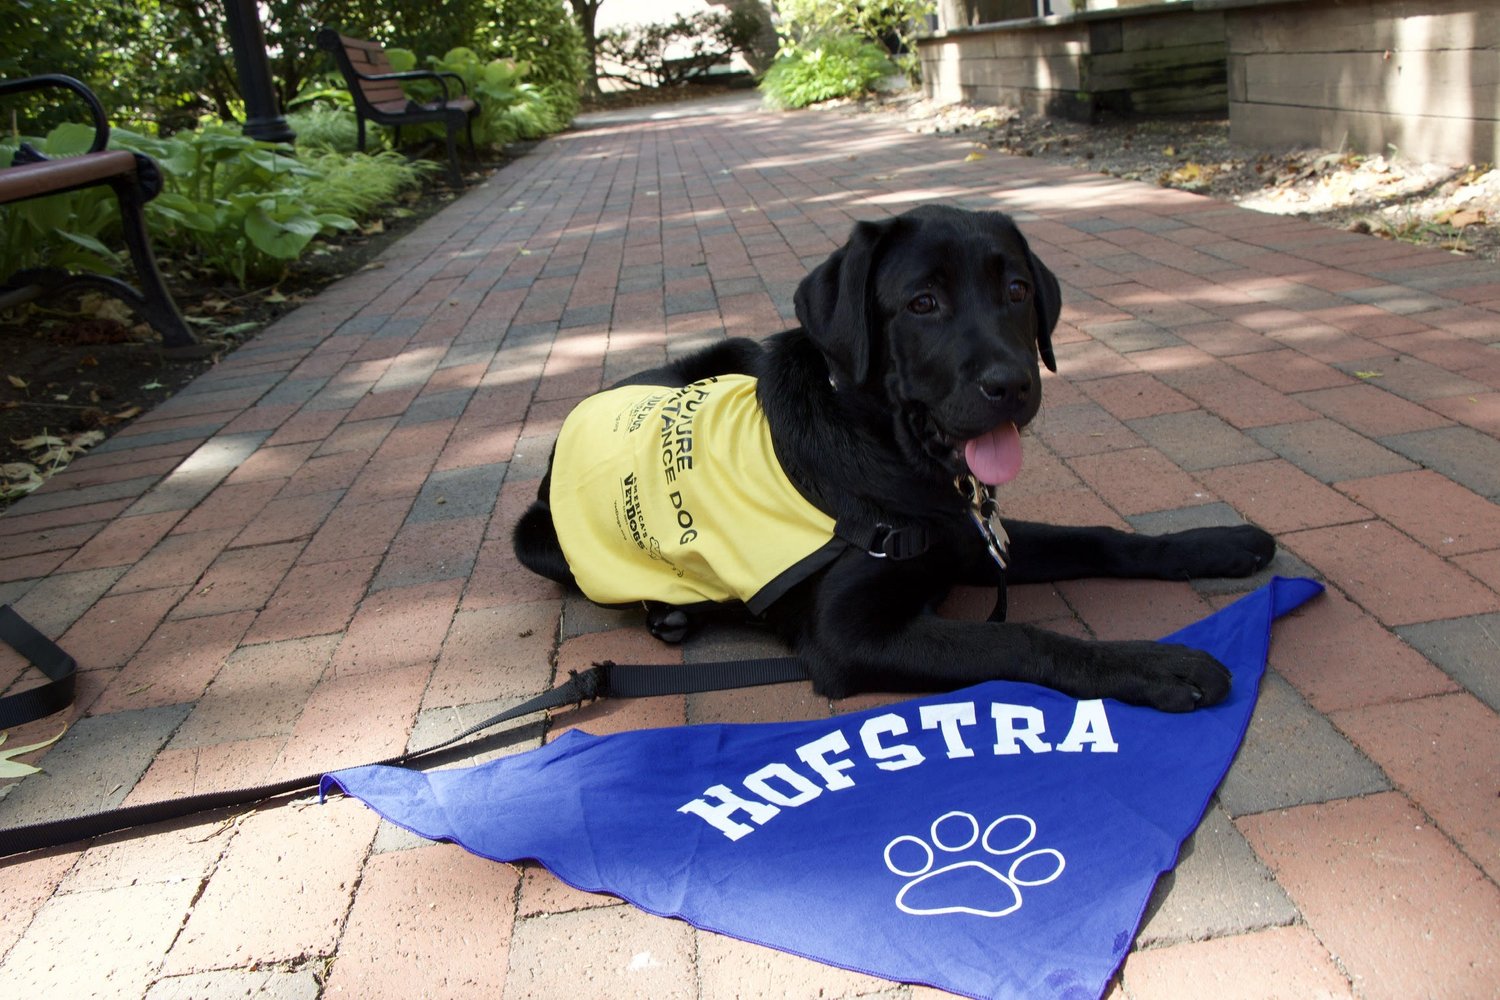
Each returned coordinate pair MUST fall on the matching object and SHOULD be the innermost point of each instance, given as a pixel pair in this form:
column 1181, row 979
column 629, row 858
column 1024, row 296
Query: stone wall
column 1162, row 58
column 1419, row 76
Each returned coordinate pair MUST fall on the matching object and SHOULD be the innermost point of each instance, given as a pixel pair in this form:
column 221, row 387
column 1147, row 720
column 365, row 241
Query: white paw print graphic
column 987, row 883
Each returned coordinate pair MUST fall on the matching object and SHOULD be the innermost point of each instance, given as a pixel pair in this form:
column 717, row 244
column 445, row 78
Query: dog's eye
column 1019, row 290
column 923, row 304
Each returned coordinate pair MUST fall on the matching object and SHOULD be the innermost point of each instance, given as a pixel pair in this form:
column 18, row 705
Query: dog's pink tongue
column 995, row 457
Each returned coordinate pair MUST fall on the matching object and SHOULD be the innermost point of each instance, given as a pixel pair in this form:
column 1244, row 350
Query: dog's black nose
column 999, row 387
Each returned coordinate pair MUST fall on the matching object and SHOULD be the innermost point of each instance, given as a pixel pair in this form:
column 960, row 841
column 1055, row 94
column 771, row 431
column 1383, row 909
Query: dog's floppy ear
column 833, row 303
column 1048, row 298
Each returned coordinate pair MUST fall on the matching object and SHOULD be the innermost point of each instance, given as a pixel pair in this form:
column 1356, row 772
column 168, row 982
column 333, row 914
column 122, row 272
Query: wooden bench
column 135, row 180
column 379, row 97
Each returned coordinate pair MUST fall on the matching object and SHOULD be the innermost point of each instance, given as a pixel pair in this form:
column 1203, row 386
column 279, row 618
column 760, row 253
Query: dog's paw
column 1240, row 550
column 669, row 624
column 1161, row 675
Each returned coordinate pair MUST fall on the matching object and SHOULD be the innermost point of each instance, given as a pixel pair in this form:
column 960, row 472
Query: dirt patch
column 76, row 367
column 1443, row 205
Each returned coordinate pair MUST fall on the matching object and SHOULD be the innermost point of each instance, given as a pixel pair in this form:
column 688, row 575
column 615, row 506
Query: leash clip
column 984, row 511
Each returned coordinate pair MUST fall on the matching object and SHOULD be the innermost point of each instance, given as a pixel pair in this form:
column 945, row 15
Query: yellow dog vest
column 675, row 495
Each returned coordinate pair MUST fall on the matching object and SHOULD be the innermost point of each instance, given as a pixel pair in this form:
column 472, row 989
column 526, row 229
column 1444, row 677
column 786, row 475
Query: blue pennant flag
column 999, row 841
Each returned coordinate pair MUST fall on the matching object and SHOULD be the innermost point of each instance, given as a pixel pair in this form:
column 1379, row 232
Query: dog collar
column 984, row 511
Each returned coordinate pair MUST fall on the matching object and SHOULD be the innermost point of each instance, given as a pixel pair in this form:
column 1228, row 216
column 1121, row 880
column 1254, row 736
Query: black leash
column 603, row 680
column 41, row 652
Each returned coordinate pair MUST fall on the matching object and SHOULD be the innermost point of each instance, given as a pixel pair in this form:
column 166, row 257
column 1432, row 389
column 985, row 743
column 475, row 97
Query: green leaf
column 12, row 768
column 70, row 139
column 112, row 261
column 277, row 239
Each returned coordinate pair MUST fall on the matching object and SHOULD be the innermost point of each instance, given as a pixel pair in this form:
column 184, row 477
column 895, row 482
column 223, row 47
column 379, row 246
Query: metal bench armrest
column 96, row 110
column 418, row 74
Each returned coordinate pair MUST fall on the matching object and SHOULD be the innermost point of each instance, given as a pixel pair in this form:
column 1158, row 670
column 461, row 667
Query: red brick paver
column 1384, row 890
column 303, row 561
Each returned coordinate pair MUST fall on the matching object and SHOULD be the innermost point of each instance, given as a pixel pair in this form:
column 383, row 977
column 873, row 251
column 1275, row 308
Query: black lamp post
column 262, row 117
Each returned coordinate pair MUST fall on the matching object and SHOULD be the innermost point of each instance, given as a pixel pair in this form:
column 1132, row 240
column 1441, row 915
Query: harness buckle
column 880, row 543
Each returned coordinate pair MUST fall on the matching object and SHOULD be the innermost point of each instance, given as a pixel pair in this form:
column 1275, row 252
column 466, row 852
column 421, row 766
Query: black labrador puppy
column 838, row 480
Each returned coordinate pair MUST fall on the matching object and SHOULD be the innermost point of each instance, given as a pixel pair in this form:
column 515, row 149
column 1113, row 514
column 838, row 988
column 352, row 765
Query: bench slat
column 32, row 180
column 382, row 91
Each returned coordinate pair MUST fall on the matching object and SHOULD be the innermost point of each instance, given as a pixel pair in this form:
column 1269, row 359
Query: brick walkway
column 301, row 561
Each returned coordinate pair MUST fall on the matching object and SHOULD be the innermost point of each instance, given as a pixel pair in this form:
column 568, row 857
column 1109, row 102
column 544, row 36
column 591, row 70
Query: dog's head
column 943, row 313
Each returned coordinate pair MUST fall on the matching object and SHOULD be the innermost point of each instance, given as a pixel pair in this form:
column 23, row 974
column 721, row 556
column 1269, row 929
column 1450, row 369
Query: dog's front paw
column 1162, row 675
column 1236, row 551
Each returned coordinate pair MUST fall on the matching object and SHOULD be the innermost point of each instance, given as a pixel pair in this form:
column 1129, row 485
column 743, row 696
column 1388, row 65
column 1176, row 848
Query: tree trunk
column 587, row 12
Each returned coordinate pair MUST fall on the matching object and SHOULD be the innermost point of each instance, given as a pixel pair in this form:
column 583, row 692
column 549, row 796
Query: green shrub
column 824, row 68
column 359, row 184
column 234, row 205
column 63, row 231
column 510, row 108
column 893, row 24
column 543, row 35
column 325, row 127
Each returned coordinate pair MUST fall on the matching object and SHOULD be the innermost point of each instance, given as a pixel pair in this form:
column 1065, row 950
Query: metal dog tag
column 985, row 513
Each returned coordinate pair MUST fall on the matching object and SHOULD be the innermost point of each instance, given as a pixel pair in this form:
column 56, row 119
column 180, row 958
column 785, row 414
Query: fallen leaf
column 1189, row 175
column 976, row 155
column 104, row 307
column 56, row 456
column 12, row 768
column 1369, row 374
column 14, row 491
column 39, row 441
column 1467, row 217
column 19, row 383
